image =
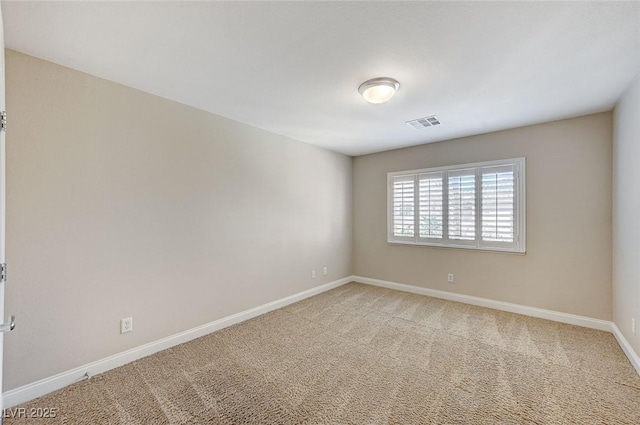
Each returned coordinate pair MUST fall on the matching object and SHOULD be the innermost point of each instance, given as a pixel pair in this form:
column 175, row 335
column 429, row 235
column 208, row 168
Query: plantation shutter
column 462, row 205
column 498, row 204
column 403, row 200
column 470, row 206
column 430, row 205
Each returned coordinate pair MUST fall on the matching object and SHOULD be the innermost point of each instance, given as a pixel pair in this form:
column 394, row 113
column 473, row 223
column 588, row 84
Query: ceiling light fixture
column 379, row 90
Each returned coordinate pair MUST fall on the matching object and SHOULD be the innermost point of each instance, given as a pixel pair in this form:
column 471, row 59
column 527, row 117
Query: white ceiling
column 294, row 68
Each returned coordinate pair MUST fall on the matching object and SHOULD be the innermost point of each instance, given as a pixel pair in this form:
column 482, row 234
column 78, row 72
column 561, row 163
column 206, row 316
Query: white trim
column 456, row 167
column 476, row 169
column 626, row 347
column 556, row 316
column 44, row 386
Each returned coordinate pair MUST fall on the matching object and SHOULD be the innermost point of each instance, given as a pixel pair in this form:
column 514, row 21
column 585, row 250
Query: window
column 477, row 206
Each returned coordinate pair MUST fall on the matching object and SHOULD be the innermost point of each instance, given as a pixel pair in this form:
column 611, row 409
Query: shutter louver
column 498, row 204
column 430, row 205
column 470, row 206
column 403, row 206
column 462, row 205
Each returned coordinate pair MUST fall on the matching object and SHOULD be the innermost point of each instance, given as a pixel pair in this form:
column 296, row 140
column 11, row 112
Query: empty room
column 320, row 213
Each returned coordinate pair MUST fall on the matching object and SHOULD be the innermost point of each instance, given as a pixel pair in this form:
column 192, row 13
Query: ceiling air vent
column 424, row 122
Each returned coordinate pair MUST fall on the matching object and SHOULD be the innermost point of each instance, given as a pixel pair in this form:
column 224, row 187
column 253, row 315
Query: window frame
column 519, row 187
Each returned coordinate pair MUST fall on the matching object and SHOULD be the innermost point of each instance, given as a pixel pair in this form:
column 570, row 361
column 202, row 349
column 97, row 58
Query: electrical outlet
column 450, row 278
column 313, row 274
column 633, row 325
column 126, row 325
column 325, row 270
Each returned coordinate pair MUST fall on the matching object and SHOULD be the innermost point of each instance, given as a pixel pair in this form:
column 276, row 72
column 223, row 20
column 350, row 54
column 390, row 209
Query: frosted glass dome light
column 379, row 90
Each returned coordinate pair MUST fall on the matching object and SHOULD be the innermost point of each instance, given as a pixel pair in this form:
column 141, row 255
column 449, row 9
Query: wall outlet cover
column 126, row 325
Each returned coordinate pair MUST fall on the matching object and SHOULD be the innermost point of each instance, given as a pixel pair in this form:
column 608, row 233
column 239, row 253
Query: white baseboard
column 44, row 386
column 626, row 347
column 556, row 316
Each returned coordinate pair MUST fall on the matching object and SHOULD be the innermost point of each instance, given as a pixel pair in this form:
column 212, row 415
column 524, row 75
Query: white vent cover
column 424, row 122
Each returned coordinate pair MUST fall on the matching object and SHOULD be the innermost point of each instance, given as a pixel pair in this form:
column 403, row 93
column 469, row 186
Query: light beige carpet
column 365, row 355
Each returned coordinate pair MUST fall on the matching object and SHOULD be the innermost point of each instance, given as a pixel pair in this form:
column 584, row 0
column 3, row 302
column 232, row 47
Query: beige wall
column 626, row 212
column 122, row 204
column 567, row 266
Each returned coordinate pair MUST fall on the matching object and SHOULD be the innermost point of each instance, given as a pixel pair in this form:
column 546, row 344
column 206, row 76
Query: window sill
column 460, row 247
